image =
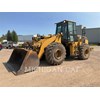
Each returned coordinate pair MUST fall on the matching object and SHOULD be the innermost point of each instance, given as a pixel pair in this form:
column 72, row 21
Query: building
column 93, row 34
column 24, row 38
column 79, row 29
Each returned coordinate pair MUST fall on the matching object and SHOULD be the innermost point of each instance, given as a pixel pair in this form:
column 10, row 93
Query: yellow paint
column 74, row 45
column 57, row 38
column 86, row 41
column 46, row 42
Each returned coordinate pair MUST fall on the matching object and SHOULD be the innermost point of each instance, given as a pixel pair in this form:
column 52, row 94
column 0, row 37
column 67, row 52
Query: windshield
column 58, row 29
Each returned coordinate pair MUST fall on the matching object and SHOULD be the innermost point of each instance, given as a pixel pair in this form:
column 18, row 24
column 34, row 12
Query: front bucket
column 22, row 61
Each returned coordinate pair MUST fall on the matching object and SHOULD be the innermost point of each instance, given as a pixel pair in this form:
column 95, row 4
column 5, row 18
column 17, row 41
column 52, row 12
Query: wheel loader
column 64, row 43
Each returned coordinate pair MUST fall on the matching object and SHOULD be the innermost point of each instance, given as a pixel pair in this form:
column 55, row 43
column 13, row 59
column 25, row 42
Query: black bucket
column 22, row 61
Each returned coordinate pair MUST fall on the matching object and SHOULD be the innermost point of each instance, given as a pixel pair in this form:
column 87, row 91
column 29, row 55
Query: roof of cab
column 65, row 21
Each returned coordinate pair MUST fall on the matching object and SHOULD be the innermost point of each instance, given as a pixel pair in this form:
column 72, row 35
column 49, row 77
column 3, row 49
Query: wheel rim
column 58, row 54
column 86, row 52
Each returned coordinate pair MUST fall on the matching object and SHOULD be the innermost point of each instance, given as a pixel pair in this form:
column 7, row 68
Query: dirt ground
column 72, row 72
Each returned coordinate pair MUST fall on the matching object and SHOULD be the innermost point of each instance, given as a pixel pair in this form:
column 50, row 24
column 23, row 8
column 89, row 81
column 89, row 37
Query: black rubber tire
column 84, row 52
column 51, row 53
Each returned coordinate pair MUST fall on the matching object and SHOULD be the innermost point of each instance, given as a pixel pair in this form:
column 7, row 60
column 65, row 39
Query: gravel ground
column 70, row 73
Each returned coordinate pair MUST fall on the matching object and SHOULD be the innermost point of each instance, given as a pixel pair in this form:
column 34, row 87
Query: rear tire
column 55, row 53
column 84, row 52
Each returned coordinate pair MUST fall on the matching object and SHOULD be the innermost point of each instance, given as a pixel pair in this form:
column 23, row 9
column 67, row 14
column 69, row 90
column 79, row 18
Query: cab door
column 71, row 31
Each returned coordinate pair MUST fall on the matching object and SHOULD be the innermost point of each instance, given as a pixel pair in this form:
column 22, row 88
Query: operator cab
column 68, row 28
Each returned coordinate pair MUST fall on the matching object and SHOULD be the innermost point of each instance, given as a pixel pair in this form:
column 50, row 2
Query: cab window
column 70, row 27
column 65, row 32
column 74, row 28
column 58, row 29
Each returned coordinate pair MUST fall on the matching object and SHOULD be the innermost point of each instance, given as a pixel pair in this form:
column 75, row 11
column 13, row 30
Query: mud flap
column 23, row 61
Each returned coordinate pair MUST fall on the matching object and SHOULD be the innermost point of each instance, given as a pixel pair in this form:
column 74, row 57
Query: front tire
column 55, row 53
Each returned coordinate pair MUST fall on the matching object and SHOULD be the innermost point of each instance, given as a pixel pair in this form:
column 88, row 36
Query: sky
column 30, row 23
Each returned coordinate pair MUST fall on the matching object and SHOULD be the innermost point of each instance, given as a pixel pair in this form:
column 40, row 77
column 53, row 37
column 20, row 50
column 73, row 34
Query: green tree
column 3, row 37
column 9, row 36
column 0, row 39
column 14, row 36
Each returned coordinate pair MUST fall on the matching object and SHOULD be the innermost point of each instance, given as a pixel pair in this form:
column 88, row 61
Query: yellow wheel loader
column 55, row 48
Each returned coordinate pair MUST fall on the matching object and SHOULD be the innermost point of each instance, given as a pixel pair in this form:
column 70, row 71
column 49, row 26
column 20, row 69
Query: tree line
column 10, row 36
